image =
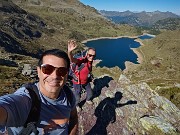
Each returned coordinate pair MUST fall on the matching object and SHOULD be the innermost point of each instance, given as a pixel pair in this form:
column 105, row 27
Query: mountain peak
column 143, row 18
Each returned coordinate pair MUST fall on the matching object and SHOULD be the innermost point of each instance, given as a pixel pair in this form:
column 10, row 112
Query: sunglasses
column 48, row 69
column 90, row 55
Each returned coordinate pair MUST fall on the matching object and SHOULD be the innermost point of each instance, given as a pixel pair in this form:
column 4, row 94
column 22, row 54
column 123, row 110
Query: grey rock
column 125, row 108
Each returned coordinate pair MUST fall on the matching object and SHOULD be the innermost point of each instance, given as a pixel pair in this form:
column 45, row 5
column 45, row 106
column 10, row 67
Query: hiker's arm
column 3, row 116
column 73, row 122
column 71, row 46
column 14, row 108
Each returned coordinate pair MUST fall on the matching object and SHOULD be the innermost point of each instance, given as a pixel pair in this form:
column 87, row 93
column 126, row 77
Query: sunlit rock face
column 124, row 108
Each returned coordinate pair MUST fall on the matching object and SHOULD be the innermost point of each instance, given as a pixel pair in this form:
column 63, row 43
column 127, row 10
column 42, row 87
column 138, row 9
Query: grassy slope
column 161, row 56
column 74, row 20
column 161, row 65
column 64, row 20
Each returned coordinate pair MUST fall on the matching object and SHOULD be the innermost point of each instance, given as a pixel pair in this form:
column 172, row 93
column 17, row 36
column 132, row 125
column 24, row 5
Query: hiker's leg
column 89, row 92
column 76, row 91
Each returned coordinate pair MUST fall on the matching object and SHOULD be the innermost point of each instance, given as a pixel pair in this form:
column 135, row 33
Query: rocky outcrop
column 125, row 108
column 28, row 70
column 17, row 25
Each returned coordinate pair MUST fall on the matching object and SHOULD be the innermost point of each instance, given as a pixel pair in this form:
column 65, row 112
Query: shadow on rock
column 106, row 114
column 100, row 83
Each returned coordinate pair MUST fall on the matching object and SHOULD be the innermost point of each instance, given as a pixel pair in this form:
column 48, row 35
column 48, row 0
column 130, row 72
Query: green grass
column 112, row 72
column 172, row 94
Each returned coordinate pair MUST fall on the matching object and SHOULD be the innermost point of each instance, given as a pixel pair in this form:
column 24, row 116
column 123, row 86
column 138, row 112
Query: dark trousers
column 77, row 91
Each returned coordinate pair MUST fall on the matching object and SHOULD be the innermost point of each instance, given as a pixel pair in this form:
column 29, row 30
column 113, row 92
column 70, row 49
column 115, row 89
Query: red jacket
column 83, row 74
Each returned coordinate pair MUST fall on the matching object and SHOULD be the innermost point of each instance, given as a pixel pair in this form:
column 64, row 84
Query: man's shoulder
column 24, row 89
column 21, row 91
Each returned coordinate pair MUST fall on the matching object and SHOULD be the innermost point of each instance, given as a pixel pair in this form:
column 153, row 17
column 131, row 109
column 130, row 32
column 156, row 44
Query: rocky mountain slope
column 160, row 65
column 137, row 19
column 125, row 108
column 48, row 24
column 167, row 24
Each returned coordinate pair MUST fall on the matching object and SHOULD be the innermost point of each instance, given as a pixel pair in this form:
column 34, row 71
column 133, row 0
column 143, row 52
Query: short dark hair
column 57, row 53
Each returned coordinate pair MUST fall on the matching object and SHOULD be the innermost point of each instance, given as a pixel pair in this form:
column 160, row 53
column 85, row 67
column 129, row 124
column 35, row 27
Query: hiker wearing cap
column 49, row 101
column 81, row 79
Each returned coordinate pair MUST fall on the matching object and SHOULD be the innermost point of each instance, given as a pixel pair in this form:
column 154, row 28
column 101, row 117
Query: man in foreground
column 57, row 115
column 82, row 80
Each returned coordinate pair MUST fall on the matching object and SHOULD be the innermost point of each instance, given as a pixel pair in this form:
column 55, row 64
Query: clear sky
column 135, row 5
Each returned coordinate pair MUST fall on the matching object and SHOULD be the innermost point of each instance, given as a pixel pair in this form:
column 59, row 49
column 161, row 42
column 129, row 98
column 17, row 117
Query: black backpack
column 30, row 125
column 76, row 68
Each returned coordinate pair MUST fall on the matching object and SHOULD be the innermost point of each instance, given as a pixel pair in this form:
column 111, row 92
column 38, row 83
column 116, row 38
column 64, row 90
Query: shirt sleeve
column 18, row 106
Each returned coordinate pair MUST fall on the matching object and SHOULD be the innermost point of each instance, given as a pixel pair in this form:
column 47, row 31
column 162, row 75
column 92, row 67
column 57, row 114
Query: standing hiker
column 81, row 72
column 57, row 110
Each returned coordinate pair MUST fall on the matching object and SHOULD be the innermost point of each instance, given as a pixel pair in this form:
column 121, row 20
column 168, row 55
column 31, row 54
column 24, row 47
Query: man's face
column 52, row 75
column 91, row 55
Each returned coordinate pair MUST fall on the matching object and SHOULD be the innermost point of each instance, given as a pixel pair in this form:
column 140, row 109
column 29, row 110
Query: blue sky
column 135, row 5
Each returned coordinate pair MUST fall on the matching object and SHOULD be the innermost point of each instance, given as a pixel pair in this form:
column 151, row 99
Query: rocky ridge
column 126, row 108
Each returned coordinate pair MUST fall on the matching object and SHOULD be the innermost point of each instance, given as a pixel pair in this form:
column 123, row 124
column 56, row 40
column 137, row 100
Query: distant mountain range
column 168, row 24
column 143, row 18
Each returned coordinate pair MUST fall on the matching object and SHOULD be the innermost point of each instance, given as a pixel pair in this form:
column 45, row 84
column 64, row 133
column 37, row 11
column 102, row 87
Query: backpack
column 75, row 69
column 30, row 125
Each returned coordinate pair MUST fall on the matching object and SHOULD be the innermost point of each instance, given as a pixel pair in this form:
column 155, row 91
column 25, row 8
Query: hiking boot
column 89, row 102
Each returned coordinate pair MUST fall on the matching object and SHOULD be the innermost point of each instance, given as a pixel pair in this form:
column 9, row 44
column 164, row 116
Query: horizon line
column 139, row 11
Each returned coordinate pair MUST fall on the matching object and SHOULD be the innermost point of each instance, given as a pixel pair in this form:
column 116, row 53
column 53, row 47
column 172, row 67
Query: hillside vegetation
column 168, row 24
column 29, row 27
column 71, row 19
column 161, row 65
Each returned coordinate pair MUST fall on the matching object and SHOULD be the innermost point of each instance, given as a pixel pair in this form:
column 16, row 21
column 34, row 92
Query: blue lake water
column 114, row 52
column 146, row 37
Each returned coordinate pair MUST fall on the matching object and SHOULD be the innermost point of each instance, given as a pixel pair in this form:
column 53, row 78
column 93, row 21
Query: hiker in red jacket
column 82, row 75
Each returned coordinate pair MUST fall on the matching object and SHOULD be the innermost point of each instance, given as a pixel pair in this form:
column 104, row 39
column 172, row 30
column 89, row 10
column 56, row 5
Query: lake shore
column 85, row 41
column 137, row 52
column 128, row 65
column 95, row 62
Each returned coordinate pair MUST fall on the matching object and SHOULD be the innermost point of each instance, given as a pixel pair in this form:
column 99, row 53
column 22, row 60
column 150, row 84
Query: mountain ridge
column 137, row 19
